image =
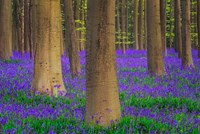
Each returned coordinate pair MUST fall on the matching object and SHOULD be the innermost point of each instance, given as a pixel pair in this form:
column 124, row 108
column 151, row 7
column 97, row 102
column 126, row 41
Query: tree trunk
column 62, row 44
column 145, row 24
column 77, row 20
column 5, row 29
column 193, row 24
column 186, row 36
column 15, row 25
column 140, row 27
column 102, row 98
column 136, row 24
column 177, row 30
column 198, row 24
column 123, row 15
column 154, row 46
column 82, row 34
column 28, row 44
column 118, row 36
column 47, row 65
column 171, row 24
column 71, row 37
column 20, row 25
column 26, row 26
column 14, row 35
column 126, row 26
column 163, row 25
column 30, row 30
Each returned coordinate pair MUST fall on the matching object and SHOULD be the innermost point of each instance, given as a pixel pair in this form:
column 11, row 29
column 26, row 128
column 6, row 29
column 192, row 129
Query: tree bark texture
column 47, row 62
column 154, row 47
column 186, row 35
column 102, row 98
column 72, row 40
column 5, row 29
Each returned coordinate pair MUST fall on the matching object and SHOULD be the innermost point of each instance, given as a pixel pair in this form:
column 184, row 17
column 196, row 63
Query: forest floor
column 168, row 104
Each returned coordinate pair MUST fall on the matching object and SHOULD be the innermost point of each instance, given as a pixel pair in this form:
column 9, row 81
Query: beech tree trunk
column 62, row 43
column 136, row 24
column 5, row 29
column 186, row 35
column 145, row 24
column 102, row 98
column 20, row 25
column 163, row 25
column 26, row 25
column 140, row 26
column 171, row 24
column 123, row 16
column 118, row 30
column 198, row 24
column 154, row 47
column 82, row 18
column 47, row 62
column 31, row 30
column 71, row 37
column 77, row 18
column 177, row 21
column 126, row 26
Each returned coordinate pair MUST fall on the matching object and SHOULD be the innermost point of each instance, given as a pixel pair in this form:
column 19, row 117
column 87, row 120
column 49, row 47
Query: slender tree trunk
column 196, row 27
column 63, row 32
column 140, row 26
column 47, row 65
column 14, row 35
column 26, row 26
column 118, row 36
column 5, row 29
column 163, row 25
column 198, row 24
column 20, row 25
column 15, row 25
column 123, row 26
column 126, row 25
column 177, row 21
column 82, row 34
column 154, row 47
column 136, row 24
column 77, row 20
column 171, row 24
column 186, row 36
column 193, row 24
column 71, row 36
column 30, row 34
column 102, row 98
column 62, row 44
column 145, row 24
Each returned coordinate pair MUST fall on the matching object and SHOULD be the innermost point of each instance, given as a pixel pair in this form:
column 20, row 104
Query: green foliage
column 80, row 22
column 8, row 125
column 10, row 61
column 169, row 102
column 21, row 97
column 138, row 69
column 62, row 124
column 69, row 124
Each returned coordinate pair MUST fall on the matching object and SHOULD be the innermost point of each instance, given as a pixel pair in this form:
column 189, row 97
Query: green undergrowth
column 20, row 97
column 72, row 125
column 138, row 69
column 10, row 61
column 161, row 102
